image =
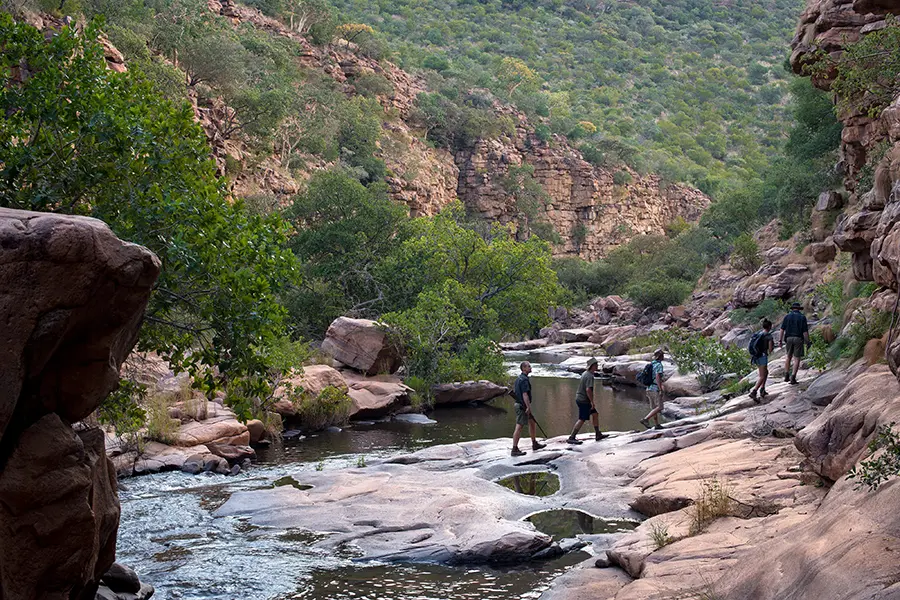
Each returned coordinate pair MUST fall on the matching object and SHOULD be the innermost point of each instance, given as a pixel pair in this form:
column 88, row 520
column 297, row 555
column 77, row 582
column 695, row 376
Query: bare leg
column 575, row 429
column 533, row 430
column 796, row 367
column 516, row 435
column 763, row 377
column 595, row 420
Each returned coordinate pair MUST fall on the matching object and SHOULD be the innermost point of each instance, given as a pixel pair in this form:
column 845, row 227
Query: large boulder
column 311, row 381
column 467, row 391
column 362, row 345
column 375, row 396
column 575, row 335
column 683, row 385
column 73, row 297
column 824, row 389
column 840, row 435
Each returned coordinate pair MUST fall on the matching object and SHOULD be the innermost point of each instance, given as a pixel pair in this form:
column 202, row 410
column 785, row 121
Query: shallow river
column 168, row 533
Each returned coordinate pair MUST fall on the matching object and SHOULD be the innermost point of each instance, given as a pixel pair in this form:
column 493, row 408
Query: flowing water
column 168, row 533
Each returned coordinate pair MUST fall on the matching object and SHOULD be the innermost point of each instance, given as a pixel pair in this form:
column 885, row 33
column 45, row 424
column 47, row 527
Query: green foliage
column 457, row 124
column 865, row 326
column 867, row 72
column 818, row 355
column 738, row 387
column 372, row 84
column 622, row 178
column 659, row 535
column 875, row 470
column 122, row 410
column 708, row 358
column 712, row 502
column 331, row 407
column 78, row 138
column 690, row 84
column 654, row 271
column 745, row 254
column 770, row 308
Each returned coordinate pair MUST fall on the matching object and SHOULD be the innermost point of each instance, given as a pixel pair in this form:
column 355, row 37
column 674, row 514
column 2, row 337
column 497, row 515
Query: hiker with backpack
column 652, row 377
column 795, row 337
column 761, row 345
column 584, row 400
column 522, row 394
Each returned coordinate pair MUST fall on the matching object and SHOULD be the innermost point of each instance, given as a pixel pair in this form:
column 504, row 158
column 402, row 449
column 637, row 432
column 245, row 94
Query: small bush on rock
column 712, row 502
column 745, row 254
column 708, row 358
column 659, row 535
column 877, row 469
column 331, row 407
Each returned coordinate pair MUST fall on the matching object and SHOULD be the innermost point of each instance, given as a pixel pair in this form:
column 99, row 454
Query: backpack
column 757, row 346
column 645, row 377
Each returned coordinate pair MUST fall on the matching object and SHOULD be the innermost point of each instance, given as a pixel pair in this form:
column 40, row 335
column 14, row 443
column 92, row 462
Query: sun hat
column 593, row 361
column 796, row 305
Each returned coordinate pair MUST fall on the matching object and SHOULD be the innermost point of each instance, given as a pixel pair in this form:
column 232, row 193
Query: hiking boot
column 794, row 381
column 572, row 440
column 753, row 396
column 787, row 377
column 516, row 452
column 763, row 393
column 600, row 436
column 658, row 426
column 537, row 445
column 645, row 423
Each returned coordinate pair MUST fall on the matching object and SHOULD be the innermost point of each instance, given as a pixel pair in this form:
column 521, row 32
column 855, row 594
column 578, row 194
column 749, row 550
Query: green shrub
column 818, row 356
column 770, row 308
column 122, row 411
column 622, row 178
column 865, row 327
column 712, row 502
column 160, row 426
column 745, row 254
column 331, row 407
column 659, row 535
column 658, row 293
column 708, row 358
column 875, row 470
column 373, row 84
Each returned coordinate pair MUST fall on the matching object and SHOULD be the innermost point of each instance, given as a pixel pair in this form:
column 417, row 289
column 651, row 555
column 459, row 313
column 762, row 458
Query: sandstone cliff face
column 579, row 193
column 870, row 230
column 72, row 301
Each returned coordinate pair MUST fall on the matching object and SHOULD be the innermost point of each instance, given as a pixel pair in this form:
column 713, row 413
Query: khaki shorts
column 521, row 415
column 795, row 346
column 656, row 398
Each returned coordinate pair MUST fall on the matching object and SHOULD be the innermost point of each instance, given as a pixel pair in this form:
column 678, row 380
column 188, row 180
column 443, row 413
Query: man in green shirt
column 584, row 400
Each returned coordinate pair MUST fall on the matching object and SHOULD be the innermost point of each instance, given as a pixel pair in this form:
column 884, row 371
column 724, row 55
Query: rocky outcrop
column 72, row 303
column 467, row 391
column 375, row 396
column 362, row 345
column 587, row 208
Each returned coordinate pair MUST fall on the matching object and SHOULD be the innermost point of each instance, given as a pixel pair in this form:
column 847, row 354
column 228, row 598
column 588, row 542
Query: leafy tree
column 514, row 73
column 708, row 358
column 745, row 254
column 78, row 138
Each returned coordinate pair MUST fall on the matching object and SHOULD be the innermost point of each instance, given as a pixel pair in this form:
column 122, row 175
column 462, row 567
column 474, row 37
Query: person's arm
column 781, row 337
column 806, row 331
column 771, row 345
column 590, row 395
column 659, row 381
column 526, row 396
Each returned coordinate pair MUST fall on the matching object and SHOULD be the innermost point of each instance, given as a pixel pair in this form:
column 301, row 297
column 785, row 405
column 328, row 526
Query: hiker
column 761, row 345
column 584, row 400
column 522, row 391
column 655, row 389
column 794, row 336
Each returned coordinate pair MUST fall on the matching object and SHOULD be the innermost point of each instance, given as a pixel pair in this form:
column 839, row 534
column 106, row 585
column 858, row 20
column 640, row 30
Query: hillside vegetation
column 692, row 89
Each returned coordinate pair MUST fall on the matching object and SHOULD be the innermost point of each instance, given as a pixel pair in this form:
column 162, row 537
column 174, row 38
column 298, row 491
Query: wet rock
column 414, row 418
column 467, row 391
column 362, row 345
column 233, row 454
column 257, row 430
column 602, row 562
column 120, row 578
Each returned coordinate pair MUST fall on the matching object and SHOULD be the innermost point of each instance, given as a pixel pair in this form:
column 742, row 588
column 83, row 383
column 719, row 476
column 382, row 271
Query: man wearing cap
column 522, row 391
column 584, row 400
column 795, row 336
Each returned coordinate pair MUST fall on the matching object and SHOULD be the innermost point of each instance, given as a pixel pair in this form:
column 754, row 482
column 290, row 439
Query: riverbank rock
column 376, row 396
column 73, row 297
column 467, row 391
column 575, row 335
column 838, row 438
column 526, row 345
column 362, row 345
column 311, row 381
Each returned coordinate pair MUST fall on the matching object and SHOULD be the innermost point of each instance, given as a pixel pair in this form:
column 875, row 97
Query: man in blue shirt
column 795, row 337
column 655, row 391
column 584, row 400
column 522, row 391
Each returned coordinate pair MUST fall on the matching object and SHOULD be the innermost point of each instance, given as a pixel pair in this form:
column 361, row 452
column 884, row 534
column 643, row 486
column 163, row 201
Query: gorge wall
column 427, row 179
column 869, row 228
column 72, row 301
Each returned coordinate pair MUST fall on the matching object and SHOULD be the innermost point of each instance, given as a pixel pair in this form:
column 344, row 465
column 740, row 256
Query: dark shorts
column 521, row 415
column 760, row 361
column 795, row 346
column 585, row 410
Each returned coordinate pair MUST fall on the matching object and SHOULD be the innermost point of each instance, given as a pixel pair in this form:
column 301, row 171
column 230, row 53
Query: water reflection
column 561, row 524
column 532, row 484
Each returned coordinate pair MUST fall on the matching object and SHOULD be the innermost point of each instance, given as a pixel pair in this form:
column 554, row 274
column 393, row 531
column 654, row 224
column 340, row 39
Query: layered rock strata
column 72, row 300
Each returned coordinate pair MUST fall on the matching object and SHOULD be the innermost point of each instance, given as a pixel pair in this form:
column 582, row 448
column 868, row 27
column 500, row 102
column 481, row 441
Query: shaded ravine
column 169, row 535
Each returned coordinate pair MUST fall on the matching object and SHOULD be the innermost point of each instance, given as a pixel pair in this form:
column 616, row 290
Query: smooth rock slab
column 467, row 391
